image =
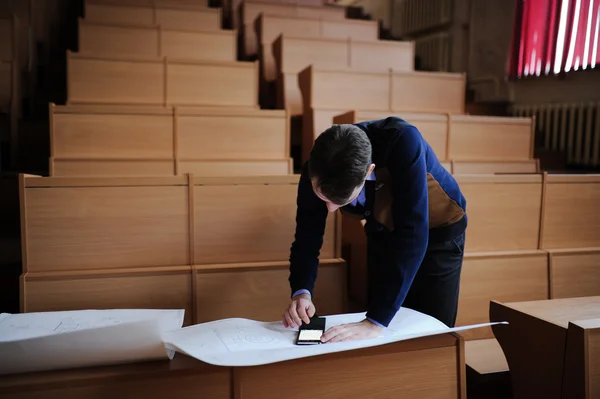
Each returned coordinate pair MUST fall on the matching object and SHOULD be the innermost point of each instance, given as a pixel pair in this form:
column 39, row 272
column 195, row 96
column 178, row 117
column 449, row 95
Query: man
column 384, row 172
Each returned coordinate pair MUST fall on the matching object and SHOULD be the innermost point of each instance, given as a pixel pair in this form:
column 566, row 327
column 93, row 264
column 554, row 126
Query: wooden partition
column 571, row 217
column 10, row 78
column 431, row 92
column 102, row 39
column 160, row 81
column 159, row 141
column 230, row 210
column 269, row 28
column 259, row 290
column 292, row 55
column 574, row 273
column 475, row 144
column 192, row 16
column 249, row 11
column 423, row 368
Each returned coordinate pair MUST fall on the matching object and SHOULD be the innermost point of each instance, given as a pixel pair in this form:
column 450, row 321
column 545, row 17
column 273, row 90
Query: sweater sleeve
column 311, row 217
column 407, row 244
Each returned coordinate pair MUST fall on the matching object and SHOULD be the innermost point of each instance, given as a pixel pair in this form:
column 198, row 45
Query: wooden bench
column 552, row 346
column 422, row 368
column 269, row 28
column 190, row 16
column 160, row 81
column 231, row 9
column 154, row 41
column 151, row 3
column 527, row 166
column 292, row 55
column 574, row 272
column 250, row 10
column 571, row 218
column 159, row 141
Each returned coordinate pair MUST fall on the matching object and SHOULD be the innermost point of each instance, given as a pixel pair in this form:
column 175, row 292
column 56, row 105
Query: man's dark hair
column 339, row 161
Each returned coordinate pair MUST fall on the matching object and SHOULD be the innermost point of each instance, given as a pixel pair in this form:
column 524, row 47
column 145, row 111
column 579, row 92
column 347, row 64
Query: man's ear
column 371, row 169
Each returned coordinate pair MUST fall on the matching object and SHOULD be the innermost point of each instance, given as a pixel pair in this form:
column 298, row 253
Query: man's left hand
column 352, row 331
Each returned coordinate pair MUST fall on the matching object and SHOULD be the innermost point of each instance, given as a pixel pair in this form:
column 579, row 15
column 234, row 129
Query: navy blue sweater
column 412, row 200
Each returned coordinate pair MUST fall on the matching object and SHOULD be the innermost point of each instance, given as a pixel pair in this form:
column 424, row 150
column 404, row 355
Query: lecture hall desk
column 424, row 368
column 552, row 346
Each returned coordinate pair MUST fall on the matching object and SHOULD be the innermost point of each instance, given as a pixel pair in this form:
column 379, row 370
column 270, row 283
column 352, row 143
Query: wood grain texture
column 98, row 167
column 267, row 167
column 575, row 273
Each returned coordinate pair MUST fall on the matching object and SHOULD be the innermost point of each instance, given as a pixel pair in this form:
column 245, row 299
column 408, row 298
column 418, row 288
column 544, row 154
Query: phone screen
column 310, row 334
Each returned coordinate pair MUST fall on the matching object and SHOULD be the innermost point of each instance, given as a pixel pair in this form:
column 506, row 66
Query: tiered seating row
column 191, row 16
column 160, row 81
column 235, row 11
column 173, row 242
column 158, row 141
column 154, row 41
column 292, row 55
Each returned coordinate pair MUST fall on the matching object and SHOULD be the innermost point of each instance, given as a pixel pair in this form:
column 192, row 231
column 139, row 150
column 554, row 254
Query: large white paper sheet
column 243, row 342
column 58, row 340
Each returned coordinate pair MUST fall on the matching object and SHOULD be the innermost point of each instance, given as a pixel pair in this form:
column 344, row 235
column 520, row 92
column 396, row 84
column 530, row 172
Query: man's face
column 330, row 205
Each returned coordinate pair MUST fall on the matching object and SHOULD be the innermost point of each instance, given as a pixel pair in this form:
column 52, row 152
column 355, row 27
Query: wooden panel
column 222, row 84
column 325, row 13
column 495, row 138
column 252, row 10
column 382, row 54
column 83, row 228
column 102, row 39
column 571, row 217
column 348, row 28
column 295, row 54
column 385, row 371
column 506, row 277
column 430, row 92
column 575, row 273
column 105, row 135
column 232, row 137
column 92, row 80
column 89, row 167
column 259, row 291
column 492, row 167
column 6, row 45
column 236, row 168
column 227, row 218
column 497, row 220
column 485, row 356
column 187, row 19
column 149, row 288
column 121, row 15
column 209, row 46
column 182, row 377
column 6, row 76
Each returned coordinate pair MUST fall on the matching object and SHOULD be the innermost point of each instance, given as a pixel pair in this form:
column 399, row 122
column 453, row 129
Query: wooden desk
column 429, row 367
column 552, row 346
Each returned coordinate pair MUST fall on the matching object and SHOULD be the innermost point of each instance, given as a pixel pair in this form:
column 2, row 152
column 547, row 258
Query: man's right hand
column 301, row 309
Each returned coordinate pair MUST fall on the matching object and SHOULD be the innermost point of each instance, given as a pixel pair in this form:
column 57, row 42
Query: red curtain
column 553, row 36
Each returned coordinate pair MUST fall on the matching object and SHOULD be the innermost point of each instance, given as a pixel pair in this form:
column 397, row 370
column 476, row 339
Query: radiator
column 433, row 52
column 572, row 128
column 422, row 15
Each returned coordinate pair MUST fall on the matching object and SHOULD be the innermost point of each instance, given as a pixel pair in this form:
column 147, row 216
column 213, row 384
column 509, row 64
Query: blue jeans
column 436, row 286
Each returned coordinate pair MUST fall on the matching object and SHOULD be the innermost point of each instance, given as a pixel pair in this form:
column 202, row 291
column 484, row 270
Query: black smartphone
column 310, row 334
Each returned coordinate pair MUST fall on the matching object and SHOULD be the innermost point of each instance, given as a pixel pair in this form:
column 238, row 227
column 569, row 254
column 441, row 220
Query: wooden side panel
column 236, row 224
column 498, row 167
column 202, row 168
column 299, row 53
column 256, row 291
column 226, row 84
column 206, row 46
column 494, row 138
column 420, row 374
column 185, row 19
column 273, row 26
column 89, row 135
column 571, row 217
column 148, row 289
column 83, row 228
column 112, row 167
column 380, row 55
column 115, row 81
column 497, row 220
column 575, row 273
column 501, row 277
column 353, row 29
column 119, row 15
column 349, row 90
column 231, row 137
column 120, row 40
column 430, row 92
